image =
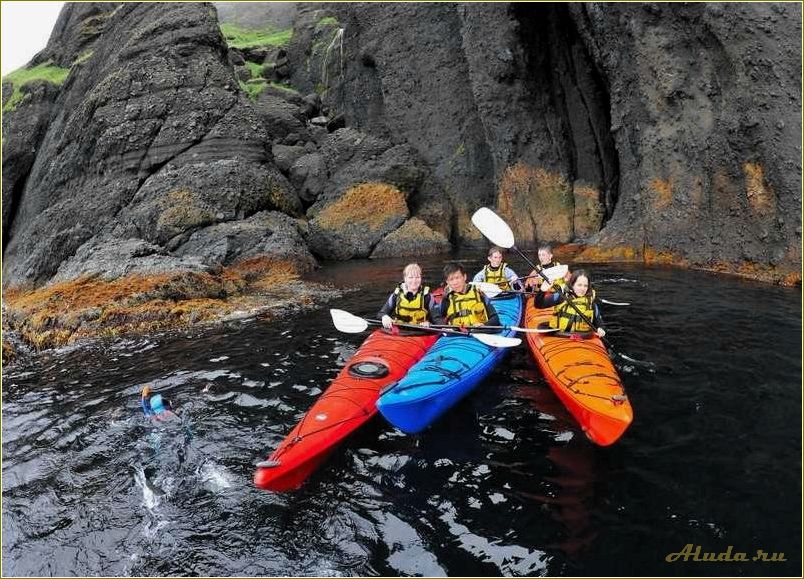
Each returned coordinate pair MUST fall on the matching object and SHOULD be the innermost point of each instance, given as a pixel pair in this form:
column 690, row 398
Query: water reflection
column 504, row 484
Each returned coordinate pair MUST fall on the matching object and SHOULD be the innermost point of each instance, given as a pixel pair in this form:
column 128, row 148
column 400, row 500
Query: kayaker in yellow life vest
column 463, row 304
column 546, row 260
column 498, row 272
column 410, row 302
column 566, row 318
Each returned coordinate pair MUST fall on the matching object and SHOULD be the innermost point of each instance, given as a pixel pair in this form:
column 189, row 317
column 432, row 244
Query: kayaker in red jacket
column 410, row 302
column 566, row 317
column 464, row 304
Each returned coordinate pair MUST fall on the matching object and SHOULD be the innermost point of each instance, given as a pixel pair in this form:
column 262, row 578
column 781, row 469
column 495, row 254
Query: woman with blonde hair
column 410, row 302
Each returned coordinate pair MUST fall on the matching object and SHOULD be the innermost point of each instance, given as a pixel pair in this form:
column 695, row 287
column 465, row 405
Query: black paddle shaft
column 432, row 328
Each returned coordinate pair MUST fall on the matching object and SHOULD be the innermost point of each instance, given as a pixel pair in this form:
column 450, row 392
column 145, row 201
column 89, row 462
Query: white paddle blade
column 348, row 323
column 534, row 330
column 490, row 289
column 493, row 227
column 496, row 341
column 615, row 303
column 554, row 273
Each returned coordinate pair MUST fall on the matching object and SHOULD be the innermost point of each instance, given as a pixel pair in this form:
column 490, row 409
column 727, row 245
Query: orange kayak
column 581, row 374
column 349, row 402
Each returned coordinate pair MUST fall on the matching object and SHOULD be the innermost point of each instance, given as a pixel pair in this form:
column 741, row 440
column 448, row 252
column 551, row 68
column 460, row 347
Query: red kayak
column 581, row 374
column 348, row 402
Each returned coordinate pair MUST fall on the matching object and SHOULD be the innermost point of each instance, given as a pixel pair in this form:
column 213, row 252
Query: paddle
column 493, row 227
column 553, row 273
column 491, row 290
column 351, row 324
column 614, row 303
column 500, row 328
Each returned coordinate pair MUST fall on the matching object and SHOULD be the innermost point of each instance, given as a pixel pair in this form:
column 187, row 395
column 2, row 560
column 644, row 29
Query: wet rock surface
column 576, row 122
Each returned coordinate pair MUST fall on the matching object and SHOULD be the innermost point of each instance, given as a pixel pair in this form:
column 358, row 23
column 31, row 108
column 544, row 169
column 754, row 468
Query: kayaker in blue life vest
column 410, row 302
column 566, row 317
column 546, row 261
column 463, row 304
column 154, row 406
column 498, row 272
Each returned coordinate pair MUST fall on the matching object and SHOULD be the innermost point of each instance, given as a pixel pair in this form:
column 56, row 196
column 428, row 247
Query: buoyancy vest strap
column 468, row 305
column 496, row 275
column 410, row 311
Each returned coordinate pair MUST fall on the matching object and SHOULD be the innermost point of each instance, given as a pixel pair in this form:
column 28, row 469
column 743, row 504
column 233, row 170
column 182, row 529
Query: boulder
column 353, row 225
column 236, row 57
column 413, row 238
column 266, row 234
column 112, row 258
column 309, row 176
column 281, row 117
column 286, row 155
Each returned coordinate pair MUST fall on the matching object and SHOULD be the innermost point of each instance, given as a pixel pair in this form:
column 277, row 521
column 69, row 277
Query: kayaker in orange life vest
column 410, row 302
column 545, row 255
column 566, row 316
column 498, row 272
column 463, row 304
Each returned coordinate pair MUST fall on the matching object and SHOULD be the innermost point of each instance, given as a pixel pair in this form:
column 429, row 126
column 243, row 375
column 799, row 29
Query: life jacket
column 466, row 309
column 413, row 311
column 566, row 318
column 497, row 276
column 153, row 405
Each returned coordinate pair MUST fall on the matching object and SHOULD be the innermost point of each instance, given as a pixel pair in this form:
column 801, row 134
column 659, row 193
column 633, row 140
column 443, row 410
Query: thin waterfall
column 337, row 40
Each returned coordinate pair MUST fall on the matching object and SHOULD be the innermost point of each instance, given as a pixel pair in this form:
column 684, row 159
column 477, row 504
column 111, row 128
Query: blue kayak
column 447, row 373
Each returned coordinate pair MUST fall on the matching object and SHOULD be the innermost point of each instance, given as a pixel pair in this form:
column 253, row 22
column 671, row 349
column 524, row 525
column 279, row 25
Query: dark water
column 505, row 484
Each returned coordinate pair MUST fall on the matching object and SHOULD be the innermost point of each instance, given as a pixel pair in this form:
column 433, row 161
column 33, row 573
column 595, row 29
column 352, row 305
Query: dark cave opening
column 562, row 68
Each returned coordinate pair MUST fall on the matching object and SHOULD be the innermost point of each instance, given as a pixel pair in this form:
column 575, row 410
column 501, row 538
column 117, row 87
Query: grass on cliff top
column 253, row 88
column 237, row 37
column 255, row 69
column 45, row 71
column 326, row 21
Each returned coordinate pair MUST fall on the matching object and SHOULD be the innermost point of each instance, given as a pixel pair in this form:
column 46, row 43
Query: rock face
column 705, row 105
column 469, row 88
column 150, row 140
column 663, row 131
column 649, row 132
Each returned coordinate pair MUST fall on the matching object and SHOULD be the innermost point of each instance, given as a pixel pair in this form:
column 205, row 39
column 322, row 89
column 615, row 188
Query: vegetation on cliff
column 46, row 71
column 238, row 37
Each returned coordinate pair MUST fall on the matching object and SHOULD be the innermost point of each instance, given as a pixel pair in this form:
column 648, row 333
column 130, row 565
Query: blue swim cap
column 156, row 404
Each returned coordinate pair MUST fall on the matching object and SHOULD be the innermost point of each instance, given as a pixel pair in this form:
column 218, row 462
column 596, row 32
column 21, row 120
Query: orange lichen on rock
column 367, row 204
column 761, row 272
column 588, row 215
column 183, row 210
column 664, row 193
column 91, row 307
column 662, row 257
column 536, row 203
column 614, row 253
column 759, row 194
column 651, row 256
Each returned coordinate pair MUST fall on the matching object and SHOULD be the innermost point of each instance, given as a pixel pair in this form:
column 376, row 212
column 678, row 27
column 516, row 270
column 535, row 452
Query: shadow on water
column 504, row 484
